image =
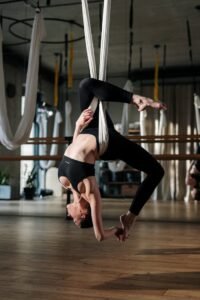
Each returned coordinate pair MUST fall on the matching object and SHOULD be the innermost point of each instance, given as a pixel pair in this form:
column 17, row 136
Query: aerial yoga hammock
column 7, row 138
column 76, row 170
column 103, row 130
column 119, row 165
column 42, row 121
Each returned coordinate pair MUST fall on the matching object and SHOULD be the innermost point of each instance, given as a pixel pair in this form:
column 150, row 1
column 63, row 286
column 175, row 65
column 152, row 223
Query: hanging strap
column 103, row 130
column 7, row 138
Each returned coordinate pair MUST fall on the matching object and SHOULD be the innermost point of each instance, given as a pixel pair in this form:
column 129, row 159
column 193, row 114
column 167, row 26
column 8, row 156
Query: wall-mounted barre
column 58, row 157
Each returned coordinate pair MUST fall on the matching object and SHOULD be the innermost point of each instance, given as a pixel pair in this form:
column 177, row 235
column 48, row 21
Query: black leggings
column 120, row 147
column 138, row 158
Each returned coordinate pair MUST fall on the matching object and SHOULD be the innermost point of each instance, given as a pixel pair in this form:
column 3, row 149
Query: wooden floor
column 48, row 258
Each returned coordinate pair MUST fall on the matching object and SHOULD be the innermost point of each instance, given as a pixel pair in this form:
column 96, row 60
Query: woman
column 76, row 171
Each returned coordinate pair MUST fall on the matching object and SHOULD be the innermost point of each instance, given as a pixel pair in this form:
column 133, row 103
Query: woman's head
column 81, row 213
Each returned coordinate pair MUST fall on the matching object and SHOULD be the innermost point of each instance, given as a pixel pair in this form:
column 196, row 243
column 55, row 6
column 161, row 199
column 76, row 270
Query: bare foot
column 125, row 228
column 127, row 221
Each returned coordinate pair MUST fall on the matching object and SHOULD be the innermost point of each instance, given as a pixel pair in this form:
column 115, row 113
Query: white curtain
column 7, row 138
column 188, row 149
column 180, row 120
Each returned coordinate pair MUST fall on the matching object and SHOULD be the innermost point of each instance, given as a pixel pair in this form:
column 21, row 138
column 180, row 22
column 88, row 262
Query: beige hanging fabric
column 103, row 130
column 7, row 138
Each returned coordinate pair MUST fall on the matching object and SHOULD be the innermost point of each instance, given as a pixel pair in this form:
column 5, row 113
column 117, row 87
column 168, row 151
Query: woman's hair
column 87, row 222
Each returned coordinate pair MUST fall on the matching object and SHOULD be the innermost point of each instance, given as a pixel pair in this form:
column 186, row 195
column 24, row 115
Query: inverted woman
column 77, row 172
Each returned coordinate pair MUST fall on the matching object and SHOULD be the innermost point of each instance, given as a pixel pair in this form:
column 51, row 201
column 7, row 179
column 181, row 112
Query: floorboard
column 48, row 258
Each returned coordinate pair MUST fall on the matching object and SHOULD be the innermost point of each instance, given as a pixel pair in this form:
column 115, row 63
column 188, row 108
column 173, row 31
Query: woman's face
column 78, row 209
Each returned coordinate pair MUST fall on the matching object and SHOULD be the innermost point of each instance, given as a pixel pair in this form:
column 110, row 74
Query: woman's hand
column 119, row 233
column 85, row 118
column 143, row 102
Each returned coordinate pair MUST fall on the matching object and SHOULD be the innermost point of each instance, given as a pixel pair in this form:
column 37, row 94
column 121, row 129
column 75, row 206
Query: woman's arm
column 96, row 211
column 93, row 196
column 84, row 119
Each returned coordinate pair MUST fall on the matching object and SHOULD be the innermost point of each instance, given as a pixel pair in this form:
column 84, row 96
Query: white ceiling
column 160, row 22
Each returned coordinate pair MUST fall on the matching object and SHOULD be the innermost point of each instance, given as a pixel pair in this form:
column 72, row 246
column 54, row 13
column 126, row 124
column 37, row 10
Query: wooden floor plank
column 51, row 259
column 173, row 211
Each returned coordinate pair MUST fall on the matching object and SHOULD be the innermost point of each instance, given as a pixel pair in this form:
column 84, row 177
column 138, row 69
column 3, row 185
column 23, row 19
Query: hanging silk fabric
column 103, row 130
column 197, row 113
column 42, row 120
column 68, row 106
column 68, row 122
column 7, row 138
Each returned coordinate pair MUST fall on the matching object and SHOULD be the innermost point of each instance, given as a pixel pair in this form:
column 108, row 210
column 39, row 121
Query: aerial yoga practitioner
column 76, row 170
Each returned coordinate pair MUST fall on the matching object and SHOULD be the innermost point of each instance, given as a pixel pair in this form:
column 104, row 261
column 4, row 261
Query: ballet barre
column 137, row 138
column 184, row 138
column 59, row 157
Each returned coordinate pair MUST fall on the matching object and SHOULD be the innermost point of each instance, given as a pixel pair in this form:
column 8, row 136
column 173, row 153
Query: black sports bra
column 75, row 170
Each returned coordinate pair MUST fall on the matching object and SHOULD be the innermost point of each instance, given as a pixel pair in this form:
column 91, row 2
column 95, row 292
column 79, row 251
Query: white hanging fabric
column 42, row 120
column 197, row 113
column 68, row 122
column 103, row 130
column 7, row 138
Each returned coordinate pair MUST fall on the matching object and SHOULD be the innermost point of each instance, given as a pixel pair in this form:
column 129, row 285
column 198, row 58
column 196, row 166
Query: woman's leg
column 138, row 158
column 104, row 91
column 90, row 88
